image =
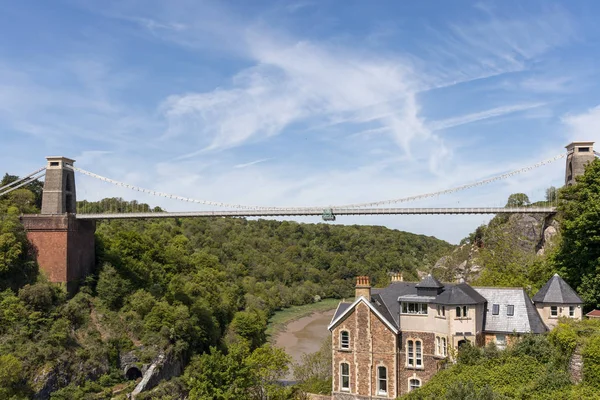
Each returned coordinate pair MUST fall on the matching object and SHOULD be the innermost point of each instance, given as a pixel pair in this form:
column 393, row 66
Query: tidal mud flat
column 304, row 335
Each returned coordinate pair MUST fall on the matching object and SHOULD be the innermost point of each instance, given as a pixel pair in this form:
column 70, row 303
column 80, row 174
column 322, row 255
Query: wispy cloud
column 251, row 163
column 482, row 115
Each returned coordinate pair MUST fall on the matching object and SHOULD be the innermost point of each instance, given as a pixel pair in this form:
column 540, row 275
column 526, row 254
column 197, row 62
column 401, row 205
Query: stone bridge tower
column 579, row 155
column 64, row 245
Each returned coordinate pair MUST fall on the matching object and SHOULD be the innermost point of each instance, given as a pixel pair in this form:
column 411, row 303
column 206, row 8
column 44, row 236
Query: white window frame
column 571, row 311
column 410, row 384
column 444, row 347
column 410, row 353
column 345, row 345
column 411, row 308
column 418, row 354
column 438, row 345
column 458, row 311
column 554, row 311
column 342, row 387
column 381, row 391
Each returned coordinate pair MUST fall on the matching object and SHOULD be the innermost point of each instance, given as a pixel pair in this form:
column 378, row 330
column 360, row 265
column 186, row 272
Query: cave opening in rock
column 133, row 373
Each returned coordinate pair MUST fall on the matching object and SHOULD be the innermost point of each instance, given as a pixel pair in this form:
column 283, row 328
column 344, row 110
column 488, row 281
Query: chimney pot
column 363, row 287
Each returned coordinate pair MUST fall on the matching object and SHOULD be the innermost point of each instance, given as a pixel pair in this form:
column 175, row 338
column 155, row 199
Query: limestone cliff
column 506, row 238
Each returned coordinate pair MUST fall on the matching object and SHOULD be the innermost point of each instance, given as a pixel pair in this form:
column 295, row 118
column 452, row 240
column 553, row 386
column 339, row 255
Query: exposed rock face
column 530, row 233
column 49, row 380
column 164, row 367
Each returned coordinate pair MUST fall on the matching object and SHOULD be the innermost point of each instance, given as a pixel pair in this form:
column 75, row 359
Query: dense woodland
column 203, row 289
column 197, row 289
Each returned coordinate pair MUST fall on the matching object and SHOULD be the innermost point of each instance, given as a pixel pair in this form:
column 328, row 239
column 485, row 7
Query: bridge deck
column 336, row 211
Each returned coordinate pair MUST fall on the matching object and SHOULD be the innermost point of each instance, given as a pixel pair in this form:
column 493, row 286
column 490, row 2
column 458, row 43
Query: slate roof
column 343, row 306
column 557, row 291
column 429, row 282
column 460, row 294
column 525, row 319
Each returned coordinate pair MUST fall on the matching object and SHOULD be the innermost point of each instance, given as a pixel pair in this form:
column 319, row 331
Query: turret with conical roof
column 557, row 299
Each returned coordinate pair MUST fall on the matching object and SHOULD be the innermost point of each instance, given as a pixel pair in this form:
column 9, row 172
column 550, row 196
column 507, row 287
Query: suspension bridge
column 63, row 233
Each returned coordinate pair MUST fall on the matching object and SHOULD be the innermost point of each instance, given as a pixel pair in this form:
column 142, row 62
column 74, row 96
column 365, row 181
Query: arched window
column 419, row 353
column 345, row 376
column 414, row 384
column 344, row 339
column 457, row 312
column 381, row 380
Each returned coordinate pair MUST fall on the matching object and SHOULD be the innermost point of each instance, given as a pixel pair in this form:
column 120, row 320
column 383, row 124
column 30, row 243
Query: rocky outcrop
column 163, row 368
column 529, row 233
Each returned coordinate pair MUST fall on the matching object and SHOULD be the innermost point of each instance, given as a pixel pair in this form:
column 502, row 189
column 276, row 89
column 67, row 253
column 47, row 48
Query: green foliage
column 314, row 370
column 517, row 200
column 10, row 376
column 578, row 259
column 111, row 287
column 564, row 338
column 533, row 367
column 239, row 374
column 250, row 325
column 551, row 194
column 591, row 361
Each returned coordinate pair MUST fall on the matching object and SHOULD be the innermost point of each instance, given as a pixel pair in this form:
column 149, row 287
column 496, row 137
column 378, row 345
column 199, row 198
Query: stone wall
column 372, row 344
column 431, row 362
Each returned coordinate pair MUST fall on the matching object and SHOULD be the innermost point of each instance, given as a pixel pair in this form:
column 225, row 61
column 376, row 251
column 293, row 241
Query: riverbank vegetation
column 281, row 318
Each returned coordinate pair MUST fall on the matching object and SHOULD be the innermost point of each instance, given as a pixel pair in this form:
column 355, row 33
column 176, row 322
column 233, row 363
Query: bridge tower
column 64, row 245
column 579, row 155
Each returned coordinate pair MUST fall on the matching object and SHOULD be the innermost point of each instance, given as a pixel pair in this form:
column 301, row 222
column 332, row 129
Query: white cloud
column 482, row 115
column 584, row 126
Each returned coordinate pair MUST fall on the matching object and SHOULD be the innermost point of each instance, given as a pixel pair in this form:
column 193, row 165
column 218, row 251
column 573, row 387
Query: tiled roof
column 557, row 291
column 525, row 317
column 343, row 306
column 593, row 313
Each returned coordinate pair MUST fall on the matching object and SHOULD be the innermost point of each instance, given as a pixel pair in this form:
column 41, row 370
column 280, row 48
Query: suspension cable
column 31, row 179
column 355, row 205
column 22, row 179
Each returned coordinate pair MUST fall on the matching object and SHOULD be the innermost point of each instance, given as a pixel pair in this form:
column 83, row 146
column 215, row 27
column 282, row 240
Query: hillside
column 193, row 293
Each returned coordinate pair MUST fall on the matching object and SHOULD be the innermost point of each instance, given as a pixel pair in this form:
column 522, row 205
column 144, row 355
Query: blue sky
column 289, row 103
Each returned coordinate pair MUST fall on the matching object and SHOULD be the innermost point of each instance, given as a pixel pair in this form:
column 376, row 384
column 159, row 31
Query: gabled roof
column 593, row 313
column 429, row 282
column 525, row 317
column 557, row 291
column 339, row 316
column 460, row 294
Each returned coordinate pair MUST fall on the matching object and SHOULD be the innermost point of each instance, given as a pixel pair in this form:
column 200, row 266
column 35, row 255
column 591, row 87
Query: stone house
column 392, row 340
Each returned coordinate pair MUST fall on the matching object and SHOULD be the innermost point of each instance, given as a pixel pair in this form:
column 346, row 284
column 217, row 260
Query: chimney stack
column 397, row 277
column 363, row 287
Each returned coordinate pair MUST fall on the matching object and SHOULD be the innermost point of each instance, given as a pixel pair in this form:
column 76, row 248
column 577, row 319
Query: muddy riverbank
column 304, row 335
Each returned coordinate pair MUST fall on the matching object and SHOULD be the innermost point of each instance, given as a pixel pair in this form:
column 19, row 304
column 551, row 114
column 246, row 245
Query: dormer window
column 344, row 340
column 510, row 310
column 414, row 308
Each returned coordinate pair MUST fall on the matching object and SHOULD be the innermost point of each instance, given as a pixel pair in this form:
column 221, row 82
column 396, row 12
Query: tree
column 517, row 200
column 111, row 287
column 314, row 370
column 10, row 376
column 268, row 365
column 251, row 326
column 551, row 194
column 578, row 257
